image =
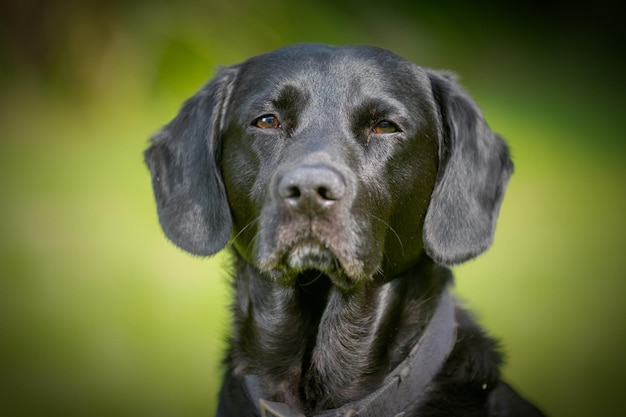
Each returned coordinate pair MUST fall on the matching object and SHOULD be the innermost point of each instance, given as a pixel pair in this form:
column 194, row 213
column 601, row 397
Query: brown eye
column 268, row 121
column 385, row 127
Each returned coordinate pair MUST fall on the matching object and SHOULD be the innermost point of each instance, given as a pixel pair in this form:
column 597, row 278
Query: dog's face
column 344, row 161
column 331, row 157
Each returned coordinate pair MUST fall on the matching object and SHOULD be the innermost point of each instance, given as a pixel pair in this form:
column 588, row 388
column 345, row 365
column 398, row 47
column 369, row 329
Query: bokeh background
column 100, row 315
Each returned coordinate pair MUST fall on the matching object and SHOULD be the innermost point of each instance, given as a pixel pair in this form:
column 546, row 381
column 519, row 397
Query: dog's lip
column 302, row 256
column 310, row 254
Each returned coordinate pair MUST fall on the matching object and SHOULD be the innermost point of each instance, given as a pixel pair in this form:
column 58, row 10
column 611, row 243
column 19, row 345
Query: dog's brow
column 376, row 108
column 284, row 98
column 290, row 97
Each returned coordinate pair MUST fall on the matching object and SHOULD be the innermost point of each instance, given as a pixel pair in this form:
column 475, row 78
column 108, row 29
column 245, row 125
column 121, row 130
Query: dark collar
column 403, row 387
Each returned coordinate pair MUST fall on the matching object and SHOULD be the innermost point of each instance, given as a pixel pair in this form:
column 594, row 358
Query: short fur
column 346, row 179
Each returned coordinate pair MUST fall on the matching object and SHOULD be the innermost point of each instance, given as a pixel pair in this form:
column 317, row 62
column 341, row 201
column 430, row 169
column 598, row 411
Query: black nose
column 311, row 189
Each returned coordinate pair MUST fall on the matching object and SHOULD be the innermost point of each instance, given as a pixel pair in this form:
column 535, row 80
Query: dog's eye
column 385, row 127
column 268, row 121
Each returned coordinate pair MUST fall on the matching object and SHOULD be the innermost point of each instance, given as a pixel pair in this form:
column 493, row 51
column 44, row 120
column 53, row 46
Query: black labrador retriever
column 345, row 180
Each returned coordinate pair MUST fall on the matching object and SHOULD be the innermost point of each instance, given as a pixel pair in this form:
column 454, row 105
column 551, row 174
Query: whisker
column 243, row 229
column 254, row 238
column 392, row 230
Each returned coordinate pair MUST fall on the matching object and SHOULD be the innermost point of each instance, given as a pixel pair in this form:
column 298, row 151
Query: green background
column 100, row 315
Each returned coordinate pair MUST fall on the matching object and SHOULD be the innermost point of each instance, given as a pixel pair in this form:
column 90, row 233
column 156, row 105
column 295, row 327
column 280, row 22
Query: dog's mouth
column 308, row 255
column 311, row 257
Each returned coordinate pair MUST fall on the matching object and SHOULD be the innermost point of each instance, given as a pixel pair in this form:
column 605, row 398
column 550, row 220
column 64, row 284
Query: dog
column 345, row 181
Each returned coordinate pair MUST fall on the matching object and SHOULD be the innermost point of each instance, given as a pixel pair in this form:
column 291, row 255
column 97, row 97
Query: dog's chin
column 310, row 256
column 303, row 263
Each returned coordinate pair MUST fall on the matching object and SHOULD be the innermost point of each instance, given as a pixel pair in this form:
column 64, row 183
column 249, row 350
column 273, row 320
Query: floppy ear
column 474, row 170
column 184, row 163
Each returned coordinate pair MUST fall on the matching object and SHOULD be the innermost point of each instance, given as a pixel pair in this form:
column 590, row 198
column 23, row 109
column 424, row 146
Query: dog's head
column 348, row 161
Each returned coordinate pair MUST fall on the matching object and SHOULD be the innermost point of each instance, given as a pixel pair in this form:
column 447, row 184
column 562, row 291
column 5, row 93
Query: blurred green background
column 100, row 315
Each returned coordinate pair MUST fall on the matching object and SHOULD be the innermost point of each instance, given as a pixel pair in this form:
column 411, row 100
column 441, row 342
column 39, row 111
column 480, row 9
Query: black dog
column 345, row 179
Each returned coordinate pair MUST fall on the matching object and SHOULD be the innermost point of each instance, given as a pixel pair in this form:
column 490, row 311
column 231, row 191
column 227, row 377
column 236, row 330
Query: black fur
column 345, row 179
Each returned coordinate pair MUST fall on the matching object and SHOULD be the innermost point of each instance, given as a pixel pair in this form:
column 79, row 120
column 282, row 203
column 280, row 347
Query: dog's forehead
column 320, row 68
column 331, row 77
column 323, row 57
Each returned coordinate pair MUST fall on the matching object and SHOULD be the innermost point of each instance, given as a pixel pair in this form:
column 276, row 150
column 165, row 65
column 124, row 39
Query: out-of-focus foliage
column 100, row 315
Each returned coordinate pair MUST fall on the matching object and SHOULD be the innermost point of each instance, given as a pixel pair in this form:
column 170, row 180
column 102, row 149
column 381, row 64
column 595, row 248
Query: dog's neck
column 314, row 347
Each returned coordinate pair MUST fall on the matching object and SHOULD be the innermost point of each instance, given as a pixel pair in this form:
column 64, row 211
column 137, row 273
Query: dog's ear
column 474, row 169
column 184, row 162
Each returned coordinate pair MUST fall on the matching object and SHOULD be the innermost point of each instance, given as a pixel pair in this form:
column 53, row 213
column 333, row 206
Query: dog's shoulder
column 475, row 360
column 505, row 402
column 471, row 376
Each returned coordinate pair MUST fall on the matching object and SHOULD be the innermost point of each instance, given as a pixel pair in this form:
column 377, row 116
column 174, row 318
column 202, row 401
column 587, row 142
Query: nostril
column 327, row 193
column 291, row 191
